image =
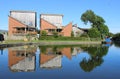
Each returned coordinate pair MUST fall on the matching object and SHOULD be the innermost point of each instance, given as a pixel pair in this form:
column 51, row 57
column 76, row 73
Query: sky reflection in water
column 60, row 62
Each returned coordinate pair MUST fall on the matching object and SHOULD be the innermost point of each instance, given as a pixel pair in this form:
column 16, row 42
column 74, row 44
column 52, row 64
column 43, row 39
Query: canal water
column 60, row 62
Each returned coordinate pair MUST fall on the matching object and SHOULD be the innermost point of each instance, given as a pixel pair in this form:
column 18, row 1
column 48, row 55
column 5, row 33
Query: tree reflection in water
column 117, row 44
column 96, row 54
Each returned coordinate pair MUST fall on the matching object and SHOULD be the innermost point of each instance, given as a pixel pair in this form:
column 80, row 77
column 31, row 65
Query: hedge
column 68, row 38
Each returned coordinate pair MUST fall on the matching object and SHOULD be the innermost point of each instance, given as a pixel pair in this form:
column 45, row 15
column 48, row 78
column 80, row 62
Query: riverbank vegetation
column 97, row 23
column 116, row 37
column 60, row 38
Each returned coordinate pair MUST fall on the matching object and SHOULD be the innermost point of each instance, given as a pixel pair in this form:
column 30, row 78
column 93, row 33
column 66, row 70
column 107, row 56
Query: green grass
column 22, row 41
column 53, row 39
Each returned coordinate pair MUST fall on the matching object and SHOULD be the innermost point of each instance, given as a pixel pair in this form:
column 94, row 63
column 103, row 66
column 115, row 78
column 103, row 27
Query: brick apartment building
column 53, row 23
column 22, row 22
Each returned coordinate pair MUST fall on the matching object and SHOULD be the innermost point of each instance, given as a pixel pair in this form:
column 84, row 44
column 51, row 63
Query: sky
column 71, row 9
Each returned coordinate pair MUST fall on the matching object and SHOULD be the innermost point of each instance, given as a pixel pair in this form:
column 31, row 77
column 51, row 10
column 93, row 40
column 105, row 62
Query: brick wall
column 46, row 25
column 13, row 23
column 67, row 30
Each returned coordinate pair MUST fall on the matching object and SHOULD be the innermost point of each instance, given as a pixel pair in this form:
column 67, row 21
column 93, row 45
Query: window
column 59, row 30
column 51, row 30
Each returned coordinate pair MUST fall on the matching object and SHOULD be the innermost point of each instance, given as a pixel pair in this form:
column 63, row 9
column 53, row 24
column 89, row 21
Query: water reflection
column 50, row 57
column 1, row 49
column 22, row 58
column 96, row 57
column 117, row 44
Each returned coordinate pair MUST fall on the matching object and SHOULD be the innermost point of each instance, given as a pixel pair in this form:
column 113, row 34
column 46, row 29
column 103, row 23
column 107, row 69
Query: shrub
column 68, row 38
column 43, row 33
column 72, row 34
column 55, row 34
column 84, row 35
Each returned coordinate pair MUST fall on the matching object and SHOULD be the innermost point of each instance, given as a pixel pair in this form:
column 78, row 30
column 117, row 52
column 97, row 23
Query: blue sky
column 71, row 9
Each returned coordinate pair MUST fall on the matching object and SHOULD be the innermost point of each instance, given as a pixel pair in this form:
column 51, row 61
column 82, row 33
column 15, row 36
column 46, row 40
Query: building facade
column 77, row 31
column 22, row 22
column 53, row 23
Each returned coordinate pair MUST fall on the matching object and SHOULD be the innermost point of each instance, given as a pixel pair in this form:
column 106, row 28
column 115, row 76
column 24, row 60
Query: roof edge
column 22, row 11
column 53, row 14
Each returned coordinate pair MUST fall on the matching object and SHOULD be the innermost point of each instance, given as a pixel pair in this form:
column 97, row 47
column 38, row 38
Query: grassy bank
column 68, row 38
column 49, row 40
column 11, row 43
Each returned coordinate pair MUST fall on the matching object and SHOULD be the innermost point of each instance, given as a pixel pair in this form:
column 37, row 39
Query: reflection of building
column 22, row 58
column 22, row 22
column 50, row 61
column 67, row 52
column 76, row 50
column 52, row 57
column 53, row 23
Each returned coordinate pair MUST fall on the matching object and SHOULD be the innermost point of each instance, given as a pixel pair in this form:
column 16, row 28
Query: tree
column 93, row 33
column 96, row 22
column 104, row 31
column 94, row 19
column 88, row 16
column 116, row 37
column 111, row 34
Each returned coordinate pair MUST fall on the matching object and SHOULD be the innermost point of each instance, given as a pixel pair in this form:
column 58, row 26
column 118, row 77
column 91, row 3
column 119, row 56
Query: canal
column 60, row 62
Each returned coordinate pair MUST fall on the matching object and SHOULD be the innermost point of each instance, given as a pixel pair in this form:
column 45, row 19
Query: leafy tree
column 95, row 21
column 110, row 34
column 88, row 16
column 93, row 33
column 116, row 37
column 98, row 21
column 103, row 29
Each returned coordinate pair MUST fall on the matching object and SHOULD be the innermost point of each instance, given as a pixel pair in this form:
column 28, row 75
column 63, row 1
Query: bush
column 68, row 38
column 55, row 34
column 84, row 35
column 43, row 33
